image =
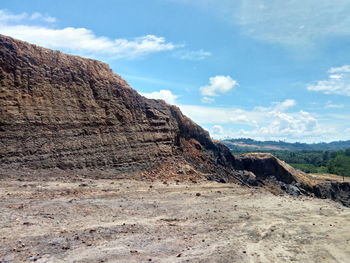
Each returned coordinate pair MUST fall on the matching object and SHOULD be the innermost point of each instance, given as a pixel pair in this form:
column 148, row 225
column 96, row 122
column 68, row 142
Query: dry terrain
column 82, row 219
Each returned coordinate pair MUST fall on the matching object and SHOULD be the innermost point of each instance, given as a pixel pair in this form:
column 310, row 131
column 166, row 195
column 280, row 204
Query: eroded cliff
column 65, row 111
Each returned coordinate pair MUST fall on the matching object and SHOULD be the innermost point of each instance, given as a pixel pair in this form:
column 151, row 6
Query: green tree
column 340, row 165
column 347, row 152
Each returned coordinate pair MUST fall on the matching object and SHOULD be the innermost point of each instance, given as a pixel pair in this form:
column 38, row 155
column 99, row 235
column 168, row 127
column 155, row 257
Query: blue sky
column 264, row 69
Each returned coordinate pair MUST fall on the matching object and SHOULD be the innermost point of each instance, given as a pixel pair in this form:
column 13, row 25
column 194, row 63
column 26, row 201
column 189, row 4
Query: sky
column 261, row 69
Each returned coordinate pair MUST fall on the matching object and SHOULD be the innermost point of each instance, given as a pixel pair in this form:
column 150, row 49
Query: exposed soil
column 81, row 219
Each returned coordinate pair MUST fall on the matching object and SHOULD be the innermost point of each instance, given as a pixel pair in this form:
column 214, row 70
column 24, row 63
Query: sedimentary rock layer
column 65, row 111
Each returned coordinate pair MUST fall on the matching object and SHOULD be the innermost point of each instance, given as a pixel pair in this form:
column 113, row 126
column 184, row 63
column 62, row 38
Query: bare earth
column 105, row 220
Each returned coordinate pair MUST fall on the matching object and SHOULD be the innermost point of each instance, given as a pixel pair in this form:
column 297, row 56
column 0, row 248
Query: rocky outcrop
column 338, row 191
column 68, row 112
column 265, row 165
column 269, row 169
column 65, row 111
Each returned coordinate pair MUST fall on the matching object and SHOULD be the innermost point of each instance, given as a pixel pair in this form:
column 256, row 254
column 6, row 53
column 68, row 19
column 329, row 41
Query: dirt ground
column 119, row 220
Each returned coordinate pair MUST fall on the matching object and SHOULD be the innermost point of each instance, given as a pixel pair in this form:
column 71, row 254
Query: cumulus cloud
column 218, row 85
column 284, row 124
column 338, row 82
column 271, row 122
column 165, row 95
column 80, row 41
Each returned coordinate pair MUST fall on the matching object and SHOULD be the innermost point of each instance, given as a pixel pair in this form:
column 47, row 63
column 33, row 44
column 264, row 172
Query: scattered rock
column 32, row 258
column 92, row 230
column 65, row 247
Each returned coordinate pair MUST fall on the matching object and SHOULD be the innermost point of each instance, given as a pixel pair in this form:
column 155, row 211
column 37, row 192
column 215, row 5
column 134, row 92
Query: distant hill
column 250, row 145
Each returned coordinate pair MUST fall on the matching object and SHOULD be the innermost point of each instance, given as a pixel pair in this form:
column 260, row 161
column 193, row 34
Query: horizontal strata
column 59, row 110
column 64, row 111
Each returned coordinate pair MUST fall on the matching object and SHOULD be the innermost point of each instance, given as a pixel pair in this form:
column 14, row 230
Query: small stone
column 32, row 258
column 65, row 247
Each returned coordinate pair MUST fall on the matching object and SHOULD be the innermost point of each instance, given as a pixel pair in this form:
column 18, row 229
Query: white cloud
column 8, row 17
column 165, row 95
column 207, row 100
column 37, row 28
column 217, row 85
column 335, row 76
column 342, row 69
column 331, row 105
column 338, row 82
column 284, row 124
column 243, row 119
column 218, row 115
column 282, row 106
column 260, row 122
column 45, row 18
column 79, row 41
column 84, row 42
column 277, row 106
column 193, row 55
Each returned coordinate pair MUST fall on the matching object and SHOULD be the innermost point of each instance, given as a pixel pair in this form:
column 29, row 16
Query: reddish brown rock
column 65, row 111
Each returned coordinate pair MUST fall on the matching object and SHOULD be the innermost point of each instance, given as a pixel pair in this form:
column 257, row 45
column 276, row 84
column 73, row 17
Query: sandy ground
column 89, row 220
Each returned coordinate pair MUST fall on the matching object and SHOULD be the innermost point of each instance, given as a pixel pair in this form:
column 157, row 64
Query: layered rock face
column 65, row 111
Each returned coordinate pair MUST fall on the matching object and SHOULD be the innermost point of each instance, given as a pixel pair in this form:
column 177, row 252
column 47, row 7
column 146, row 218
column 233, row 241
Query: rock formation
column 268, row 169
column 68, row 112
column 65, row 111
